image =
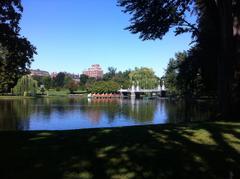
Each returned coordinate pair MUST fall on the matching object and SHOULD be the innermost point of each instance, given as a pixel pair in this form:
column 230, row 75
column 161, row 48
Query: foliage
column 183, row 75
column 217, row 19
column 59, row 80
column 26, row 86
column 83, row 79
column 153, row 19
column 145, row 77
column 42, row 89
column 58, row 92
column 72, row 86
column 104, row 87
column 67, row 80
column 90, row 82
column 170, row 77
column 110, row 74
column 122, row 78
column 47, row 81
column 16, row 52
column 119, row 77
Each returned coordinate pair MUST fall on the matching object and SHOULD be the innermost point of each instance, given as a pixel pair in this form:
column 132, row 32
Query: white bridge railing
column 140, row 91
column 137, row 89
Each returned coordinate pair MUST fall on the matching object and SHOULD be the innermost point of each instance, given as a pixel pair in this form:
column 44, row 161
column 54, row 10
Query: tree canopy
column 60, row 79
column 16, row 52
column 145, row 77
column 26, row 86
column 104, row 87
column 217, row 24
column 153, row 19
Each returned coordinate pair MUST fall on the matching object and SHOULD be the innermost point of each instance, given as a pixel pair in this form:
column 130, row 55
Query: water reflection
column 71, row 113
column 12, row 115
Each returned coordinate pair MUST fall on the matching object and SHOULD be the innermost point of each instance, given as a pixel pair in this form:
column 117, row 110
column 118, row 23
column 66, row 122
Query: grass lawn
column 15, row 97
column 208, row 150
column 62, row 92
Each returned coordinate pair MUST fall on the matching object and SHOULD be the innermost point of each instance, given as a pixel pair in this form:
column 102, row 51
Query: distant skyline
column 71, row 35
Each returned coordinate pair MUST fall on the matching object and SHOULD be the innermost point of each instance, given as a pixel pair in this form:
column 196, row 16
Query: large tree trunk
column 236, row 36
column 226, row 58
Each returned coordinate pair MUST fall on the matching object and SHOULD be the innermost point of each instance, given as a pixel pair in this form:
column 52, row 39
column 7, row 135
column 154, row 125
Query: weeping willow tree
column 144, row 77
column 26, row 86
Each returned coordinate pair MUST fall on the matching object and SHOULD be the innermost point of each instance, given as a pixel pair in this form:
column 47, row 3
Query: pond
column 75, row 113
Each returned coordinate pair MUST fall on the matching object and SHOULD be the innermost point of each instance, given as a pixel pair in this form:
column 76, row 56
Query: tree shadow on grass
column 198, row 151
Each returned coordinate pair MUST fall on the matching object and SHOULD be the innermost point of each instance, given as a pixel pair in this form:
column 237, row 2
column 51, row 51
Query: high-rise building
column 95, row 72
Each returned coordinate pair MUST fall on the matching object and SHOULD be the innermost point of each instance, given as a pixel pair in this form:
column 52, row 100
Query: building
column 39, row 73
column 95, row 72
column 54, row 75
column 75, row 77
column 72, row 75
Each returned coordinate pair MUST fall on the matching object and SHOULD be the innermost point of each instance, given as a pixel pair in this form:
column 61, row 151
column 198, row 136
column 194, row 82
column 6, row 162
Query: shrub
column 104, row 87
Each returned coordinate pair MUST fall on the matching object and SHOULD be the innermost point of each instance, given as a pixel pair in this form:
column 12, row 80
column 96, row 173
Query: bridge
column 136, row 91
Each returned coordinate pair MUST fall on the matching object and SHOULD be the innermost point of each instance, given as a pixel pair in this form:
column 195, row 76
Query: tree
column 67, row 80
column 59, row 80
column 83, row 79
column 90, row 82
column 184, row 75
column 189, row 77
column 16, row 52
column 170, row 77
column 42, row 89
column 104, row 87
column 72, row 86
column 145, row 77
column 47, row 82
column 39, row 79
column 153, row 19
column 26, row 86
column 110, row 74
column 122, row 78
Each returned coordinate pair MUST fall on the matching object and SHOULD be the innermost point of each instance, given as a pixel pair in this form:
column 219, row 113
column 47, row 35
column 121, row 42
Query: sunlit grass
column 200, row 136
column 232, row 141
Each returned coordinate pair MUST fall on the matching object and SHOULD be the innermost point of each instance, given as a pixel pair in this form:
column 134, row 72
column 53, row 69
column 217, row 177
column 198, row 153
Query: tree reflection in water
column 15, row 114
column 76, row 113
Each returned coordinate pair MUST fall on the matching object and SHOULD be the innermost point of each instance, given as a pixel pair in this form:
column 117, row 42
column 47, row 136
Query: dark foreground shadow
column 209, row 150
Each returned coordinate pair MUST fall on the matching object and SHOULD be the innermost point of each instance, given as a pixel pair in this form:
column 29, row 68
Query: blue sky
column 70, row 35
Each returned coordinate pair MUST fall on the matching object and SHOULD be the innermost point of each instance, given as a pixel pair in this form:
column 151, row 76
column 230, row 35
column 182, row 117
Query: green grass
column 51, row 93
column 207, row 150
column 62, row 92
column 80, row 92
column 15, row 97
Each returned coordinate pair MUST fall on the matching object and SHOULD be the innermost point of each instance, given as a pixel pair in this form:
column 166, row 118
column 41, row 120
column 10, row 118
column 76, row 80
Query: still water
column 72, row 113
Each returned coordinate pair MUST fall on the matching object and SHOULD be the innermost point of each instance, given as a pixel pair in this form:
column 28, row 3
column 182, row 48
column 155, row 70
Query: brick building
column 95, row 72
